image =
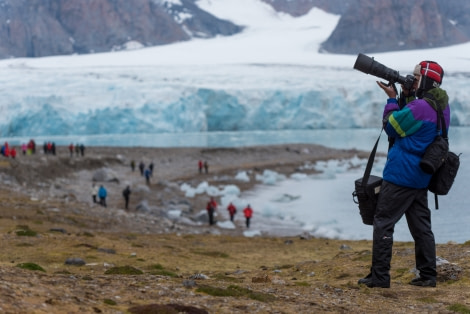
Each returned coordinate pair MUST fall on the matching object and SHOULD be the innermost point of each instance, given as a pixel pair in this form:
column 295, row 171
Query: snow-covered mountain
column 269, row 76
column 38, row 28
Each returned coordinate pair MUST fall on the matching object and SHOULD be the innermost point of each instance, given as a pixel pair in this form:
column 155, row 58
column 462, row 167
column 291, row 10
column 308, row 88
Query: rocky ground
column 69, row 179
column 63, row 254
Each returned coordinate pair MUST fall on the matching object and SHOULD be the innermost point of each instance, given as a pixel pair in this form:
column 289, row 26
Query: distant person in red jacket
column 211, row 208
column 6, row 150
column 200, row 165
column 248, row 212
column 13, row 153
column 232, row 210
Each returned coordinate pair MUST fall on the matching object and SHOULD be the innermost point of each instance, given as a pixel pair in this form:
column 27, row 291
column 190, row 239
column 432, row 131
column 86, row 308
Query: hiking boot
column 422, row 282
column 366, row 280
column 371, row 284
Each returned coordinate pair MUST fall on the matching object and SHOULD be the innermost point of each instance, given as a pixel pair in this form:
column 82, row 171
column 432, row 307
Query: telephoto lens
column 368, row 65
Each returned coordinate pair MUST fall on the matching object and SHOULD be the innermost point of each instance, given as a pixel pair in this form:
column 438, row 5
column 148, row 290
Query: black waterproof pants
column 394, row 202
column 211, row 216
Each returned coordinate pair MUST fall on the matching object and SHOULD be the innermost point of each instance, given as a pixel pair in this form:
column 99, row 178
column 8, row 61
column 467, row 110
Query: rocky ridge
column 37, row 28
column 381, row 26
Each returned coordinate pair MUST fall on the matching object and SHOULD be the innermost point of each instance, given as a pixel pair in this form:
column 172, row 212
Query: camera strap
column 370, row 162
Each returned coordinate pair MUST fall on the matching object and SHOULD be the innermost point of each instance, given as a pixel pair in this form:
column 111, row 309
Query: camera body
column 409, row 81
column 368, row 65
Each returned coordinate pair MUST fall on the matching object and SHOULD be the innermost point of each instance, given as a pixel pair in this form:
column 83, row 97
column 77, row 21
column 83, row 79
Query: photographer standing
column 404, row 188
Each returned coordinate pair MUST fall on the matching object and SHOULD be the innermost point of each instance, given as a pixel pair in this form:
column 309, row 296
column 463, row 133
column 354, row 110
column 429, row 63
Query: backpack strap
column 441, row 125
column 441, row 122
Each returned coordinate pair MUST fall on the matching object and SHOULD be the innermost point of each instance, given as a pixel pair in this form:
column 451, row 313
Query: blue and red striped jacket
column 413, row 127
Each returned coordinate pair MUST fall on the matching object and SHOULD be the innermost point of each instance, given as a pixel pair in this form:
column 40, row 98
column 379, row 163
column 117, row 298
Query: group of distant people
column 10, row 152
column 203, row 165
column 6, row 151
column 146, row 172
column 49, row 148
column 99, row 195
column 78, row 149
column 232, row 210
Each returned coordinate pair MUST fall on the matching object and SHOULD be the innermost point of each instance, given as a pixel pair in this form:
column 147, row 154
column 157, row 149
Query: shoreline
column 68, row 179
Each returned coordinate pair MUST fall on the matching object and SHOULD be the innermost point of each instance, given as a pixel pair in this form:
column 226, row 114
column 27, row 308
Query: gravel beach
column 69, row 178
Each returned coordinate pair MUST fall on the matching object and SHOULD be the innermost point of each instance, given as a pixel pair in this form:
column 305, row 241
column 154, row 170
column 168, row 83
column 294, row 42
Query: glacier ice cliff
column 177, row 99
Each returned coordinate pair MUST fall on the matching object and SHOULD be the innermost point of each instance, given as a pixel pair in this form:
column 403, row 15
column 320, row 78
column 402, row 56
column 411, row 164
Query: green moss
column 164, row 272
column 236, row 291
column 212, row 253
column 109, row 302
column 451, row 282
column 223, row 277
column 24, row 245
column 401, row 271
column 302, row 284
column 156, row 266
column 25, row 231
column 428, row 300
column 158, row 269
column 123, row 270
column 459, row 308
column 263, row 297
column 30, row 266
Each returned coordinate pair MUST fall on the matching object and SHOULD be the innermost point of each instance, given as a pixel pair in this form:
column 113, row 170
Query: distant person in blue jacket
column 147, row 174
column 102, row 194
column 404, row 188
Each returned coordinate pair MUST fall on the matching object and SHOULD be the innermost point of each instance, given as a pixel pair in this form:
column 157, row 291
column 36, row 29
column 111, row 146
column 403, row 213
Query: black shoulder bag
column 440, row 162
column 367, row 189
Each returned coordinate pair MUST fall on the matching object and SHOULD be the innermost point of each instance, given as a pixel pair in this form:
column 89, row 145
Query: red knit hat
column 432, row 70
